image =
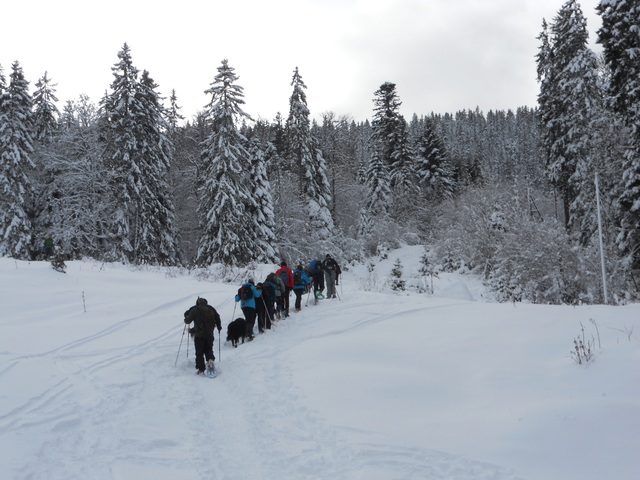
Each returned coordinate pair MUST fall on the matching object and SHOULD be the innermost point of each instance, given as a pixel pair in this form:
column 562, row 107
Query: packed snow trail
column 372, row 386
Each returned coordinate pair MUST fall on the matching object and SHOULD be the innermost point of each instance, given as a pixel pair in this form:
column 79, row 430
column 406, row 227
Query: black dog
column 236, row 330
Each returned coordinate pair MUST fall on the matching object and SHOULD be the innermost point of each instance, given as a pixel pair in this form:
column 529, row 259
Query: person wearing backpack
column 205, row 318
column 280, row 289
column 263, row 313
column 286, row 275
column 330, row 267
column 315, row 269
column 247, row 294
column 300, row 282
column 272, row 289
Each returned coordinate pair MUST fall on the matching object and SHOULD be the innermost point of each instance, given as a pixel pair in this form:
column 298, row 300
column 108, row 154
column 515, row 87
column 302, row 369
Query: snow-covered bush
column 396, row 281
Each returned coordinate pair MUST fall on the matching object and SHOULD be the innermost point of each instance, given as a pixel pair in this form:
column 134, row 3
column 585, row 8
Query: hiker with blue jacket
column 300, row 282
column 247, row 295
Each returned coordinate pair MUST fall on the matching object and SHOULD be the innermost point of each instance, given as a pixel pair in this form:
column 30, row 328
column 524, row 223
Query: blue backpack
column 314, row 267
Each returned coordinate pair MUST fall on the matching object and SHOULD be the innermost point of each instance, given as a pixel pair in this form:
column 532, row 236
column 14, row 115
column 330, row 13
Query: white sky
column 443, row 55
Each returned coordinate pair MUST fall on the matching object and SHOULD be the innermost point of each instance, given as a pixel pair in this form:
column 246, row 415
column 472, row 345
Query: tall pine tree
column 620, row 39
column 264, row 218
column 313, row 184
column 568, row 74
column 16, row 148
column 45, row 112
column 157, row 237
column 226, row 201
column 435, row 175
column 386, row 164
column 138, row 153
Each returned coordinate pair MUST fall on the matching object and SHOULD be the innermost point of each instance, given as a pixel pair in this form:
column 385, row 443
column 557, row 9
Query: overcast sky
column 443, row 55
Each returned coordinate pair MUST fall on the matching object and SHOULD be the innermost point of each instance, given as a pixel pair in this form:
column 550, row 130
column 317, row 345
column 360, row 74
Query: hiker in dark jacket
column 317, row 273
column 300, row 286
column 330, row 267
column 205, row 318
column 248, row 305
column 270, row 285
column 280, row 291
column 263, row 312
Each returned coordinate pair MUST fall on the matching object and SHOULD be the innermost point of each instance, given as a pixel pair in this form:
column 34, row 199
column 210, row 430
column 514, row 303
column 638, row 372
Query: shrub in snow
column 427, row 271
column 397, row 283
column 583, row 348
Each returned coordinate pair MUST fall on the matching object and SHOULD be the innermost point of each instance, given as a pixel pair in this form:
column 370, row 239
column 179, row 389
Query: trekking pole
column 308, row 295
column 234, row 311
column 180, row 346
column 267, row 312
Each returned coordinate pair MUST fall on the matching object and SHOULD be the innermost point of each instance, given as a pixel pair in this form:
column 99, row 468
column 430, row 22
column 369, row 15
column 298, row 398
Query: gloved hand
column 219, row 328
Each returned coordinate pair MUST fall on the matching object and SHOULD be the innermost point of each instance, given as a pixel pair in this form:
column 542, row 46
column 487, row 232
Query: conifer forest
column 543, row 202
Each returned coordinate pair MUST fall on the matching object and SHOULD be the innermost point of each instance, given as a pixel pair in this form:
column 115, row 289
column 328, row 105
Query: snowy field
column 374, row 385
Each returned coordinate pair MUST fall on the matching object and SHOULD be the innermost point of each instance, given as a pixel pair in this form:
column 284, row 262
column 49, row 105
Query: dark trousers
column 318, row 282
column 270, row 314
column 250, row 317
column 204, row 351
column 263, row 314
column 285, row 300
column 298, row 292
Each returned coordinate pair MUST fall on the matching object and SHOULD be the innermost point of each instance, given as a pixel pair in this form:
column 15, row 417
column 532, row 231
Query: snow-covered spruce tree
column 16, row 148
column 395, row 277
column 402, row 159
column 428, row 269
column 435, row 175
column 138, row 152
column 386, row 167
column 45, row 111
column 45, row 124
column 173, row 112
column 226, row 202
column 313, row 188
column 620, row 39
column 156, row 241
column 263, row 217
column 378, row 199
column 568, row 75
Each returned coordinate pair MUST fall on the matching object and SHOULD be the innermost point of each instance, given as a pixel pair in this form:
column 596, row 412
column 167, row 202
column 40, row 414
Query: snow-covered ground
column 374, row 385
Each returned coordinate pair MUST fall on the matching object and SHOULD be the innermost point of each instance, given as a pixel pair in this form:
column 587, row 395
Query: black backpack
column 284, row 276
column 245, row 292
column 297, row 277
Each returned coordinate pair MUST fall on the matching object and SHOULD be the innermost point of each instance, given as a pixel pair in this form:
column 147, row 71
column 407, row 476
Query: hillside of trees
column 532, row 199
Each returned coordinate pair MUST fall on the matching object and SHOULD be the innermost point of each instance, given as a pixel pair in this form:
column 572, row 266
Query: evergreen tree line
column 509, row 194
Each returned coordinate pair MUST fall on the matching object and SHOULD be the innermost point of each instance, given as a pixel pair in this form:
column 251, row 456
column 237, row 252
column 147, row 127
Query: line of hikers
column 269, row 300
column 265, row 301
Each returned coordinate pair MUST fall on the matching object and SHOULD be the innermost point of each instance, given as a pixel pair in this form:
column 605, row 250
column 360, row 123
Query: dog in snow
column 236, row 330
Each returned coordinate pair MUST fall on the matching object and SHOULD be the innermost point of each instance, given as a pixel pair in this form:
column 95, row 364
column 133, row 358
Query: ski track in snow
column 87, row 403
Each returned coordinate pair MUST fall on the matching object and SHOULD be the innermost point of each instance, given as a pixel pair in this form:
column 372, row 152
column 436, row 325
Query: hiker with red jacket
column 286, row 274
